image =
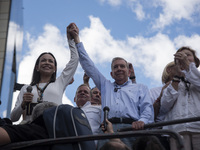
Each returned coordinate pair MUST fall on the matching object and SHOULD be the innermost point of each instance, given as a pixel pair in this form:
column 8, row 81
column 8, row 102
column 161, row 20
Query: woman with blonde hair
column 156, row 93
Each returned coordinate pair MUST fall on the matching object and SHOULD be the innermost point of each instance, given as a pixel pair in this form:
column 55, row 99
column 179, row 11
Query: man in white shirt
column 93, row 112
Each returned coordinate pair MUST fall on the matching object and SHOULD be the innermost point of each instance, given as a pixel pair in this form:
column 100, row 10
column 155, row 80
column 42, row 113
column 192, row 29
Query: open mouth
column 46, row 67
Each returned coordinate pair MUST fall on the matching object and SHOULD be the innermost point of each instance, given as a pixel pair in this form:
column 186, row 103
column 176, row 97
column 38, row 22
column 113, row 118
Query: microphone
column 106, row 109
column 29, row 89
column 28, row 105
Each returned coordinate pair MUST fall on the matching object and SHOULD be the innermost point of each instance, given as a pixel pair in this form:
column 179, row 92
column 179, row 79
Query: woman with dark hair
column 36, row 74
column 45, row 86
column 181, row 98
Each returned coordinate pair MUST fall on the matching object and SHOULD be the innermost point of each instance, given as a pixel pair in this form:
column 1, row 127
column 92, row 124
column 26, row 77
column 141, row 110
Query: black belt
column 121, row 120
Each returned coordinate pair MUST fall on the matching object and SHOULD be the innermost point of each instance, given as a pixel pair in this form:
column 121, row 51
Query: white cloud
column 134, row 5
column 150, row 54
column 99, row 43
column 175, row 11
column 192, row 41
column 171, row 10
column 115, row 2
column 51, row 40
column 137, row 8
column 15, row 36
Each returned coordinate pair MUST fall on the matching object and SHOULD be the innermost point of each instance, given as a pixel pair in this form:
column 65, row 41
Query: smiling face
column 120, row 71
column 46, row 65
column 82, row 95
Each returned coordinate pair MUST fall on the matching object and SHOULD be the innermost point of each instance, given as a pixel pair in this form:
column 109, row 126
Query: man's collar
column 116, row 85
column 87, row 103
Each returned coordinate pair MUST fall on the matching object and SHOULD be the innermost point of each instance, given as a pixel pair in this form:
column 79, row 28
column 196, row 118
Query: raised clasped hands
column 73, row 32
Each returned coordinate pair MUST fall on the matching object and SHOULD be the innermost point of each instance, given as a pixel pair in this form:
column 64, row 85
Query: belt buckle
column 121, row 120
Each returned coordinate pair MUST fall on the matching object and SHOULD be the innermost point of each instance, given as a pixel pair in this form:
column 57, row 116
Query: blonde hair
column 165, row 74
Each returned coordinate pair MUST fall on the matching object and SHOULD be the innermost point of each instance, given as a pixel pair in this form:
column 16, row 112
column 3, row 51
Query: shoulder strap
column 74, row 125
column 54, row 122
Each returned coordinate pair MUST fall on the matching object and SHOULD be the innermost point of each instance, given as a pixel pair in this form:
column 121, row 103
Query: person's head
column 82, row 95
column 167, row 74
column 191, row 55
column 120, row 70
column 45, row 65
column 95, row 96
column 114, row 145
column 147, row 143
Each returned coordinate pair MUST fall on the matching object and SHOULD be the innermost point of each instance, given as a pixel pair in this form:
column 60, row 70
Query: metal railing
column 65, row 140
column 122, row 133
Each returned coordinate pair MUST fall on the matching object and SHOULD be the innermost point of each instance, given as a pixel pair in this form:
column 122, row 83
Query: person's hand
column 156, row 104
column 109, row 127
column 69, row 28
column 138, row 125
column 177, row 71
column 182, row 61
column 71, row 81
column 131, row 69
column 86, row 79
column 166, row 85
column 132, row 73
column 73, row 32
column 110, row 130
column 27, row 98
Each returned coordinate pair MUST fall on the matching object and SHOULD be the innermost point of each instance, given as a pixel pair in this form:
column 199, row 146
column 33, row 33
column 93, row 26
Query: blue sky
column 147, row 33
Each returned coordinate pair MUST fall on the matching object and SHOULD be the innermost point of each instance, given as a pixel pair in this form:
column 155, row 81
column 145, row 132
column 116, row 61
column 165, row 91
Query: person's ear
column 111, row 73
column 37, row 68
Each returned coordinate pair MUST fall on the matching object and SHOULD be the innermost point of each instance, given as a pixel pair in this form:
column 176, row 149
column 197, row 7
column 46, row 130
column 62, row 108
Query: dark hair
column 111, row 145
column 196, row 60
column 36, row 74
column 147, row 143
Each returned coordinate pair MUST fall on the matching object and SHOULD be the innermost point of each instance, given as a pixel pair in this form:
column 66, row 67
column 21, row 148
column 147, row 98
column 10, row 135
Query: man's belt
column 121, row 120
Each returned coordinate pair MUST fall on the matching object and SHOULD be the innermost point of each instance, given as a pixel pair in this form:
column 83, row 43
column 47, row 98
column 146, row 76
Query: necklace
column 40, row 92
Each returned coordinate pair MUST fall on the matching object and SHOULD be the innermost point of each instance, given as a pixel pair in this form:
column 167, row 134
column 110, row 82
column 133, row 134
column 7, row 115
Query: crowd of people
column 130, row 103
